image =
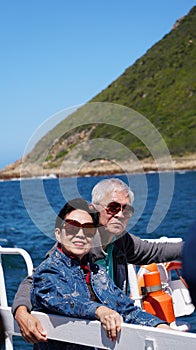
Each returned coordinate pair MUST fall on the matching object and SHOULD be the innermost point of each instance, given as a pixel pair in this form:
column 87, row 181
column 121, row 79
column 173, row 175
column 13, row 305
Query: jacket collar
column 97, row 251
column 69, row 261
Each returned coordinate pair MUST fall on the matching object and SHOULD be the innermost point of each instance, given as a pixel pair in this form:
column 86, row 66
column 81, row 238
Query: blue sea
column 28, row 209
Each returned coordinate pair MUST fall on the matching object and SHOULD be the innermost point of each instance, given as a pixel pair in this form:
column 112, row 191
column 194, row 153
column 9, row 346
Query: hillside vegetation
column 162, row 86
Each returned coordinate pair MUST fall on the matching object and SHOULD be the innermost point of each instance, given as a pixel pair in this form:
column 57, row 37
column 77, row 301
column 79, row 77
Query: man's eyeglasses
column 72, row 227
column 113, row 208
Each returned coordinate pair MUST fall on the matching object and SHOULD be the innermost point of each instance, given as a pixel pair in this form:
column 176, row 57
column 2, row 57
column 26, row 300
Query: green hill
column 160, row 86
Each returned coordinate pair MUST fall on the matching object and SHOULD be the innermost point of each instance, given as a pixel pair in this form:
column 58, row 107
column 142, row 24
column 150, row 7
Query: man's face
column 114, row 223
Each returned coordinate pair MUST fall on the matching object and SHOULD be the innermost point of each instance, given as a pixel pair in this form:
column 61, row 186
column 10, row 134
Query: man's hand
column 110, row 320
column 30, row 327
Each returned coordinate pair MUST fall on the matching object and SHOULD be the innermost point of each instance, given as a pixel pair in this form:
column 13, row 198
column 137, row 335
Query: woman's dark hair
column 77, row 203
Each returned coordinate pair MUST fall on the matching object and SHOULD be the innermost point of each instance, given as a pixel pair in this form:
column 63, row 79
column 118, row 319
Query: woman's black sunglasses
column 72, row 227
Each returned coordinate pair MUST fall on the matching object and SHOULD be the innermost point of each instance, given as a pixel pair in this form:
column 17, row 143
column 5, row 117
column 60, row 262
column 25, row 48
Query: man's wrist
column 20, row 310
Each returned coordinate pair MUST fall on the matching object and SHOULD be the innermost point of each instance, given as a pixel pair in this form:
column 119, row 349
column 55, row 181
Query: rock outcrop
column 20, row 169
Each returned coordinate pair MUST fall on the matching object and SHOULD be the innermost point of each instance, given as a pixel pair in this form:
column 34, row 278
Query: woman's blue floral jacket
column 59, row 286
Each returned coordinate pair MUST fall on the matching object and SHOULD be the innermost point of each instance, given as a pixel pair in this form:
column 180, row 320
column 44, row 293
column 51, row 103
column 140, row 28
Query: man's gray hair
column 102, row 188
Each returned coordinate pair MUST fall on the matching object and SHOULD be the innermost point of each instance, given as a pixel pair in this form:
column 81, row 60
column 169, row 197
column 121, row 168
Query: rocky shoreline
column 20, row 169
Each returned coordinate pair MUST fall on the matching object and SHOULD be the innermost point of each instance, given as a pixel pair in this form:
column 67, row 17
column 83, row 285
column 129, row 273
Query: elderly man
column 114, row 248
column 113, row 199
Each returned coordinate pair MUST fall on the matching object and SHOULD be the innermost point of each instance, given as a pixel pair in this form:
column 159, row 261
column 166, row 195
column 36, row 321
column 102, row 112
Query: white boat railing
column 91, row 333
column 132, row 337
column 3, row 294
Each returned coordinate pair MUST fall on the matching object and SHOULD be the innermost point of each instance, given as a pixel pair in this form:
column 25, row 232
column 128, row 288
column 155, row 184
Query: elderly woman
column 69, row 284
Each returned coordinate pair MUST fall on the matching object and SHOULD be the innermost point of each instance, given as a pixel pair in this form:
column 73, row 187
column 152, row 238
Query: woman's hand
column 110, row 320
column 164, row 325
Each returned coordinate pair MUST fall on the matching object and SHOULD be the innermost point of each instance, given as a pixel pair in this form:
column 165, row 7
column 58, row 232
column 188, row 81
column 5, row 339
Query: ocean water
column 28, row 209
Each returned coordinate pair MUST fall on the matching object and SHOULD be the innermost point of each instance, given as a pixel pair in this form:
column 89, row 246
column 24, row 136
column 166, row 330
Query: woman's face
column 76, row 233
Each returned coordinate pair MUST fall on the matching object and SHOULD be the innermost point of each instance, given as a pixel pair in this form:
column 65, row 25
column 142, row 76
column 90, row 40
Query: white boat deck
column 91, row 333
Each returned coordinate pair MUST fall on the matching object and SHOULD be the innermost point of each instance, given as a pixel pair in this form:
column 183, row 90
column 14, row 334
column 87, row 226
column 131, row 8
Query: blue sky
column 56, row 54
